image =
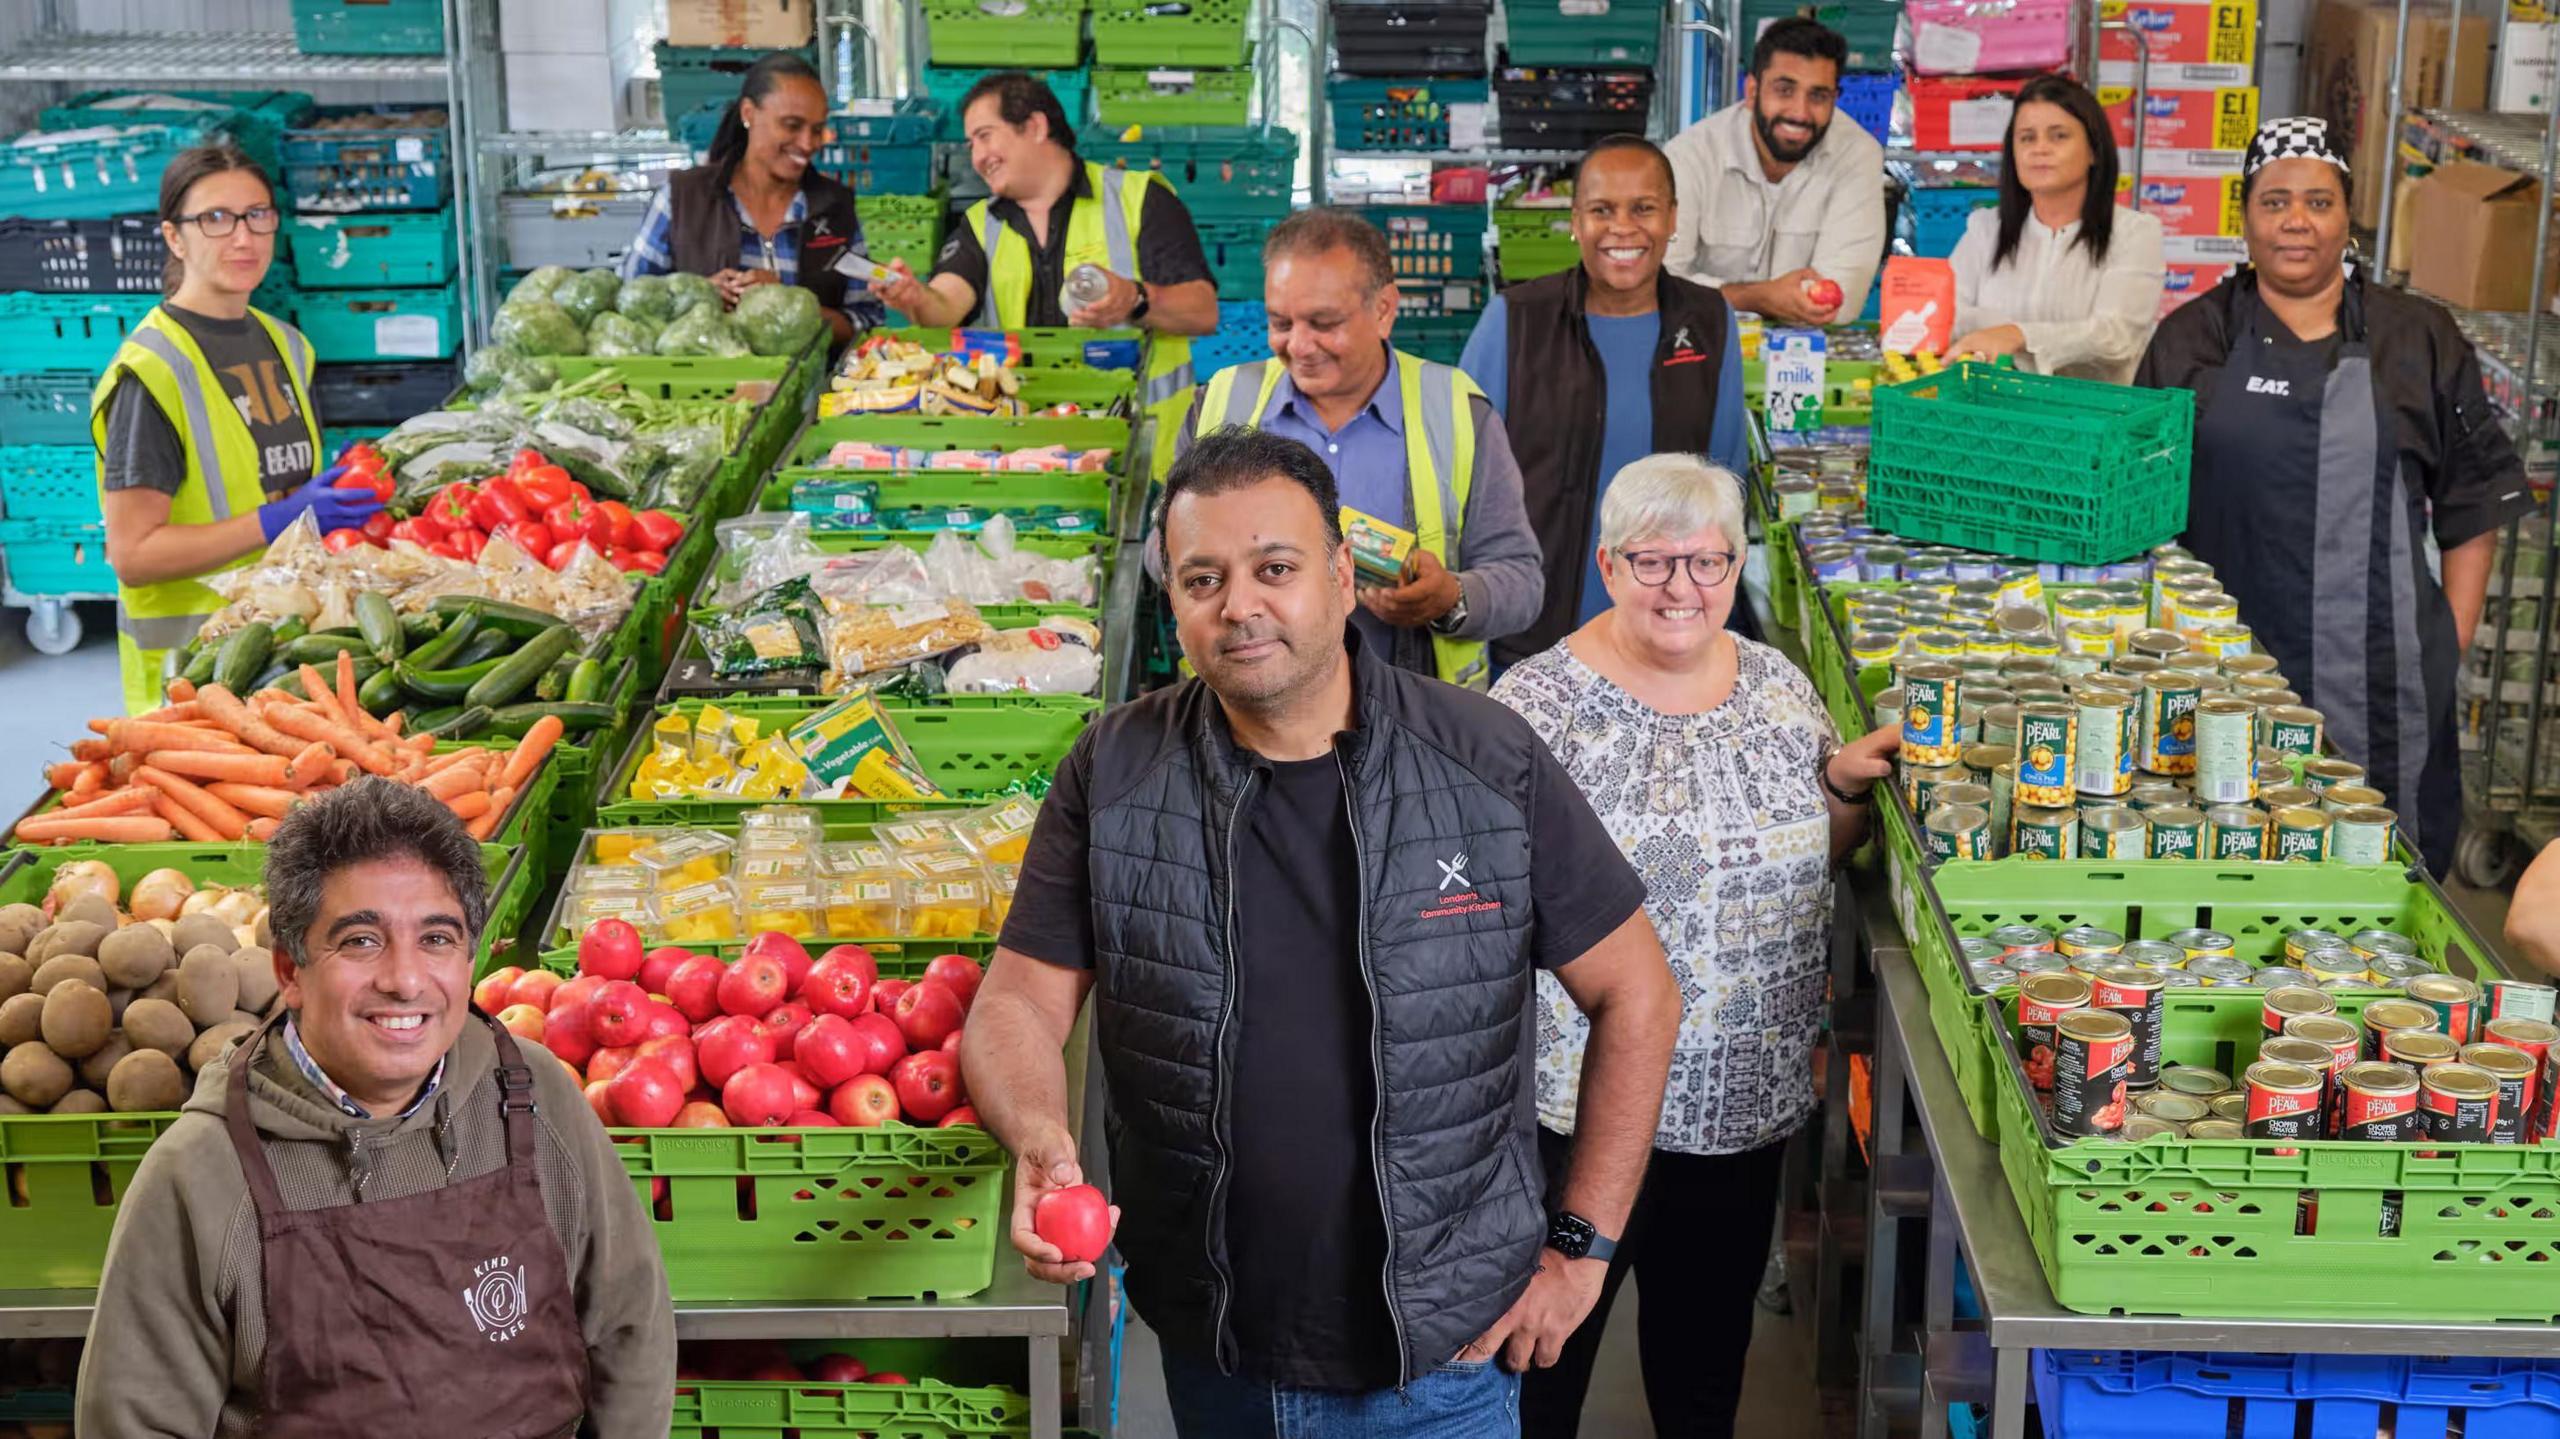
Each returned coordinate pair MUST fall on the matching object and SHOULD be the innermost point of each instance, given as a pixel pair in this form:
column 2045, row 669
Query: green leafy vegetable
column 778, row 319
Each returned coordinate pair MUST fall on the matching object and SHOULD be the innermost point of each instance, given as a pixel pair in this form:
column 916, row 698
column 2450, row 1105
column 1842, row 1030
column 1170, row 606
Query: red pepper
column 564, row 552
column 530, row 536
column 362, row 453
column 578, row 520
column 377, row 528
column 618, row 515
column 656, row 530
column 526, row 460
column 648, row 562
column 452, row 505
column 376, row 483
column 498, row 504
column 423, row 533
column 543, row 486
column 467, row 543
column 432, row 526
column 341, row 541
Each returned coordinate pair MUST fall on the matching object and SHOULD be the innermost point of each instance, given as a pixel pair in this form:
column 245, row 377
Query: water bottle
column 1087, row 284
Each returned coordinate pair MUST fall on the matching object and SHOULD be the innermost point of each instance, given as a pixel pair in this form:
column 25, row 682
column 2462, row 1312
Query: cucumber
column 586, row 682
column 438, row 652
column 423, row 720
column 516, row 673
column 380, row 627
column 320, row 650
column 421, row 628
column 489, row 644
column 380, row 694
column 514, row 720
column 244, row 657
column 199, row 670
column 514, row 619
column 445, row 686
column 294, row 628
column 465, row 722
column 554, row 684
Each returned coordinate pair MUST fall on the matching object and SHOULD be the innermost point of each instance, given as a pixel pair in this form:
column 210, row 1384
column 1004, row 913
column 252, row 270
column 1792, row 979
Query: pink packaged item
column 1976, row 37
column 1091, row 462
column 1047, row 460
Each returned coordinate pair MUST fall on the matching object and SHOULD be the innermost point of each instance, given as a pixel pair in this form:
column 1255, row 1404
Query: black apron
column 2300, row 502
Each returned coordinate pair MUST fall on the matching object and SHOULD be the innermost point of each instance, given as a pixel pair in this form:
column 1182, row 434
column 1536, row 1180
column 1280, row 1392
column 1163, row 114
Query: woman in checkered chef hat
column 2349, row 476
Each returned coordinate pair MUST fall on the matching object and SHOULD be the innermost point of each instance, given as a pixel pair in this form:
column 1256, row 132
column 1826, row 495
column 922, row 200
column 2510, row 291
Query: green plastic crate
column 1869, row 26
column 692, row 76
column 44, row 177
column 948, row 85
column 255, row 119
column 47, row 407
column 838, row 1215
column 1530, row 242
column 1044, row 352
column 369, row 27
column 1531, row 259
column 372, row 250
column 1165, row 96
column 923, row 1409
column 580, row 763
column 67, row 332
column 954, row 489
column 381, row 324
column 1221, row 172
column 51, row 558
column 49, row 482
column 2088, row 472
column 1207, row 32
column 1622, row 33
column 1432, row 242
column 1020, row 34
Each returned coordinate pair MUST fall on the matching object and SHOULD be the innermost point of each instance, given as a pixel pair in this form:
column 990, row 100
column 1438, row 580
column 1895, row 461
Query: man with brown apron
column 360, row 1226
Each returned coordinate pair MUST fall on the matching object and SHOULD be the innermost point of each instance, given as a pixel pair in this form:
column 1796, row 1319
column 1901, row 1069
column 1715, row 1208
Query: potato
column 258, row 987
column 208, row 984
column 165, row 987
column 89, row 909
column 80, row 1101
column 19, row 925
column 158, row 1024
column 10, row 1105
column 21, row 1019
column 77, row 968
column 117, row 999
column 147, row 1080
column 135, row 956
column 102, row 1061
column 210, row 1044
column 34, row 1075
column 78, row 936
column 203, row 928
column 76, row 1020
column 16, row 976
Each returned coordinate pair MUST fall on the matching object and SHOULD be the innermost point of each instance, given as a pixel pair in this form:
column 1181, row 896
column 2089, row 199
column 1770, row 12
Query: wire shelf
column 257, row 57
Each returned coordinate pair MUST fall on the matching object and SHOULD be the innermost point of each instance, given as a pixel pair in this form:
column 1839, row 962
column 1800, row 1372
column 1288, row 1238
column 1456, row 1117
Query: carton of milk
column 1794, row 363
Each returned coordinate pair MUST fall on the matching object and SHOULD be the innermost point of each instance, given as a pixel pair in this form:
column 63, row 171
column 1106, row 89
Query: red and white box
column 2184, row 119
column 2185, row 282
column 1961, row 112
column 2180, row 32
column 2186, row 205
column 2170, row 75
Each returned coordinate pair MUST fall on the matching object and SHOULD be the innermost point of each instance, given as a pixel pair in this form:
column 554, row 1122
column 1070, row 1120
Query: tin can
column 1956, row 831
column 2299, row 835
column 1872, row 647
column 2022, row 586
column 2155, row 794
column 2544, row 1122
column 2277, row 976
column 2092, row 1051
column 1985, row 645
column 1885, row 710
column 2226, row 750
column 1982, row 759
column 2226, row 642
column 2165, row 740
column 2004, row 779
column 2197, row 615
column 2420, row 1049
column 2234, row 666
column 2347, row 983
column 2273, row 775
column 2303, row 942
column 2193, row 1080
column 2295, row 729
column 2174, row 832
column 2111, row 832
column 2291, row 1002
column 1940, row 644
column 2287, row 796
column 2135, row 994
column 2083, row 940
column 1988, row 977
column 2172, row 1107
column 2080, row 604
column 2141, row 1128
column 1964, row 792
column 2394, row 971
column 2372, row 943
column 2284, row 1101
column 2232, row 1108
column 2533, row 1037
column 2339, row 798
column 2287, row 1049
column 2043, row 1000
column 2515, row 1073
column 2088, row 638
column 2234, row 832
column 2341, row 1043
column 2222, row 971
column 2321, row 774
column 2454, row 1000
column 2016, row 939
column 2201, row 942
column 2334, row 963
column 1795, row 494
column 2046, row 735
column 2458, row 1103
column 1999, row 727
column 2378, row 1103
column 2102, row 741
column 2040, row 962
column 2044, row 833
column 2152, row 954
column 2386, row 1015
column 1931, row 696
column 2156, row 644
column 1921, row 783
column 2219, row 1128
column 2522, row 998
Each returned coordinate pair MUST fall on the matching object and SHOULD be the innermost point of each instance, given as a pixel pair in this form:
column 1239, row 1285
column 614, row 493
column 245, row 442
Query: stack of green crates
column 368, row 27
column 883, row 148
column 1154, row 69
column 1534, row 240
column 1237, row 182
column 1620, row 33
column 1005, row 34
column 1868, row 25
column 948, row 85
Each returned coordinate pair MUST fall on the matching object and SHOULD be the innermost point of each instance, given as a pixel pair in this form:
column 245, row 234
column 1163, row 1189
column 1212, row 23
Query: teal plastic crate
column 68, row 178
column 1432, row 242
column 948, row 85
column 1440, row 338
column 334, row 440
column 46, row 407
column 1234, row 251
column 372, row 250
column 49, row 558
column 1205, row 32
column 67, row 332
column 395, row 161
column 1868, row 25
column 421, row 324
column 1397, row 114
column 1019, row 34
column 1221, row 172
column 256, row 120
column 1170, row 96
column 1620, row 32
column 692, row 76
column 368, row 27
column 49, row 482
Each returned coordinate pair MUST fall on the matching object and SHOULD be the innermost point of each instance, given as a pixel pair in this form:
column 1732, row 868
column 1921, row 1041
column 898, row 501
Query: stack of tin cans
column 2369, row 959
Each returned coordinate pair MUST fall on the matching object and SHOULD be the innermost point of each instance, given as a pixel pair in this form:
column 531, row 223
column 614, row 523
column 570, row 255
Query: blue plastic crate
column 63, row 178
column 2118, row 1394
column 46, row 407
column 48, row 558
column 1243, row 336
column 66, row 332
column 1934, row 219
column 49, row 482
column 1868, row 99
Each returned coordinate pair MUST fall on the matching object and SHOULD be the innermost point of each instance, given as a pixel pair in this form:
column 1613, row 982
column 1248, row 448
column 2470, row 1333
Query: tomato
column 647, row 562
column 377, row 528
column 1076, row 1219
column 656, row 530
column 618, row 515
column 530, row 536
column 467, row 543
column 341, row 541
column 452, row 505
column 563, row 552
column 544, row 486
column 576, row 519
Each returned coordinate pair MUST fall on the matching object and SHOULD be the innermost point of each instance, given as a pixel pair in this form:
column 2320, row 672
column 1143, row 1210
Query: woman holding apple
column 206, row 438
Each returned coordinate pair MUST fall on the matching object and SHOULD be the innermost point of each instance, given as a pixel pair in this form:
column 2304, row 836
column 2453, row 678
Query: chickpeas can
column 2299, row 835
column 2295, row 729
column 2046, row 735
column 1921, row 783
column 2102, row 741
column 1931, row 698
column 2166, row 742
column 2111, row 833
column 1982, row 759
column 2044, row 833
column 1954, row 832
column 2319, row 774
column 2092, row 1052
column 1886, row 708
column 2235, row 832
column 2361, row 835
column 2226, row 750
column 2173, row 832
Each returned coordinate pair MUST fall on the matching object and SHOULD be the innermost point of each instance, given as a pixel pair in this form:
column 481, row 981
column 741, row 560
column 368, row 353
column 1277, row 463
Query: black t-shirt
column 144, row 449
column 1306, row 1241
column 1169, row 250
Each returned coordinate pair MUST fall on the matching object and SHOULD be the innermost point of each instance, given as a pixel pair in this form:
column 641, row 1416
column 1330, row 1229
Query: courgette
column 514, row 619
column 554, row 684
column 294, row 628
column 380, row 694
column 421, row 627
column 278, row 677
column 199, row 670
column 465, row 722
column 586, row 682
column 514, row 720
column 447, row 685
column 516, row 673
column 438, row 652
column 489, row 644
column 244, row 657
column 320, row 650
column 423, row 720
column 379, row 626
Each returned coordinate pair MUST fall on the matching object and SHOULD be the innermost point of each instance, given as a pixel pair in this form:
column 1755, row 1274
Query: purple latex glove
column 330, row 508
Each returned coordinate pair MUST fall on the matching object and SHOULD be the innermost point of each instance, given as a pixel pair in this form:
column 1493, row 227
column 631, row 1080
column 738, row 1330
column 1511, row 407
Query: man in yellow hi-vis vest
column 1410, row 442
column 203, row 422
column 1050, row 214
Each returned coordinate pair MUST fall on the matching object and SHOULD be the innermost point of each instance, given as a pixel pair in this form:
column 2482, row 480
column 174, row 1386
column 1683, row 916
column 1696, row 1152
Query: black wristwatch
column 1139, row 311
column 1574, row 1237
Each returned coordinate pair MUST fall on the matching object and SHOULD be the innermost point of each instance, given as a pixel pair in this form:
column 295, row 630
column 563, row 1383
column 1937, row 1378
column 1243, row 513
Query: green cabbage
column 647, row 297
column 587, row 294
column 614, row 336
column 538, row 327
column 487, row 367
column 539, row 282
column 778, row 319
column 703, row 331
column 688, row 293
column 528, row 374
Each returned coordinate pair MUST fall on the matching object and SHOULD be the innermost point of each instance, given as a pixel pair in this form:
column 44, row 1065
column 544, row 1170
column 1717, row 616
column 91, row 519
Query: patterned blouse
column 1721, row 814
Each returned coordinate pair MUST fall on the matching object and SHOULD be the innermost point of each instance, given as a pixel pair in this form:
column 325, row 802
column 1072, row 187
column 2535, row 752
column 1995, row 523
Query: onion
column 82, row 877
column 236, row 907
column 158, row 894
column 200, row 901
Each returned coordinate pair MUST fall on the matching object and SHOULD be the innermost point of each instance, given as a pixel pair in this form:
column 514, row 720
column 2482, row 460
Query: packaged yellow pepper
column 699, row 914
column 685, row 858
column 861, row 906
column 789, row 906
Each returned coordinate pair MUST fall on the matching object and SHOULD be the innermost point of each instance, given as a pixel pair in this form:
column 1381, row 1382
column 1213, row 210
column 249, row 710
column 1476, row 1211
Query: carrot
column 144, row 736
column 63, row 774
column 92, row 780
column 187, row 824
column 264, row 801
column 213, row 810
column 106, row 805
column 393, row 723
column 310, row 767
column 322, row 699
column 357, row 716
column 91, row 749
column 438, row 764
column 120, row 770
column 530, row 752
column 181, row 690
column 470, row 804
column 262, row 769
column 460, row 779
column 172, row 713
column 122, row 829
column 226, row 709
column 487, row 824
column 309, row 724
column 262, row 829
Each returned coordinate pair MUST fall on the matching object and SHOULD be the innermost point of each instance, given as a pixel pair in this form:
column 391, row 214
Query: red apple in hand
column 675, row 1051
column 659, row 964
column 536, row 988
column 645, row 1095
column 880, row 1045
column 759, row 1095
column 618, row 1015
column 928, row 1085
column 794, row 956
column 729, row 1044
column 829, row 1051
column 864, row 1101
column 1077, row 1219
column 694, row 988
column 611, row 948
column 754, row 985
column 840, row 982
column 784, row 1022
column 565, row 1033
column 1823, row 294
column 958, row 973
column 490, row 995
column 927, row 1014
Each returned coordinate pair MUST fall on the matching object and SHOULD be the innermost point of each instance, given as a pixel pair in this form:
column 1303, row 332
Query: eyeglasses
column 1707, row 568
column 217, row 224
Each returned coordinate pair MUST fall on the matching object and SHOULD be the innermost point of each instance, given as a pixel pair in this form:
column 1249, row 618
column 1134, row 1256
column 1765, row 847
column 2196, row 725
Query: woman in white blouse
column 2059, row 275
column 1712, row 764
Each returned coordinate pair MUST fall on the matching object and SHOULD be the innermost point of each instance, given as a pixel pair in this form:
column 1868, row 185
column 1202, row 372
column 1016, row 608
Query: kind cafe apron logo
column 1453, row 876
column 496, row 1299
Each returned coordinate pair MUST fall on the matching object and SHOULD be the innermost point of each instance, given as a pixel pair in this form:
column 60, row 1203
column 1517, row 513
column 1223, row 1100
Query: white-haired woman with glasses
column 1715, row 768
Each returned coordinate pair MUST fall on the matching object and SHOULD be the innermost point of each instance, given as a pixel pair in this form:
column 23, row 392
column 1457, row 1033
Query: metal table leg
column 1045, row 1419
column 1883, row 1235
column 2009, row 1393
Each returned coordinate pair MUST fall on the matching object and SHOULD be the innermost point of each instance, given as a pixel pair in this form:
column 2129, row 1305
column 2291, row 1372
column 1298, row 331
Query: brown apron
column 446, row 1313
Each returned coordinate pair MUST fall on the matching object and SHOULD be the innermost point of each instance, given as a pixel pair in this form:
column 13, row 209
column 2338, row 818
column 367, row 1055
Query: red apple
column 957, row 972
column 618, row 1015
column 729, row 1044
column 754, row 985
column 695, row 987
column 840, row 982
column 524, row 1021
column 597, row 1101
column 1077, row 1219
column 804, row 1094
column 886, row 1378
column 645, row 1095
column 879, row 1044
column 794, row 956
column 700, row 1114
column 759, row 1095
column 577, row 991
column 829, row 1051
column 785, row 1022
column 1823, row 294
column 958, row 1117
column 810, row 1119
column 565, row 1032
column 606, row 1063
column 838, row 1369
column 884, row 995
column 490, row 995
column 662, row 1020
column 537, row 988
column 661, row 963
column 611, row 948
column 865, row 1101
column 951, row 1042
column 927, row 1014
column 928, row 1085
column 676, row 1052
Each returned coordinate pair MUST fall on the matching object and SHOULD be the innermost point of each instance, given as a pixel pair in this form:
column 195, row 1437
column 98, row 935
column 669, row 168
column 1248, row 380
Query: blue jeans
column 1454, row 1401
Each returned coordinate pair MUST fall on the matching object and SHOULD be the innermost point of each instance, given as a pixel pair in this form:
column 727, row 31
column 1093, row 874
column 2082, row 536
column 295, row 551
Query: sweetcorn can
column 2299, row 944
column 2222, row 971
column 2083, row 940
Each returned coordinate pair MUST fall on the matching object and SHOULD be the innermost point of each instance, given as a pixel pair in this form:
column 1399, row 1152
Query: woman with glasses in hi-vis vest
column 207, row 441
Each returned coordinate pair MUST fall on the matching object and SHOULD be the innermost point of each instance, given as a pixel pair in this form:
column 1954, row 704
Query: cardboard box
column 749, row 24
column 2182, row 32
column 2184, row 119
column 2346, row 79
column 2184, row 282
column 2476, row 248
column 2187, row 204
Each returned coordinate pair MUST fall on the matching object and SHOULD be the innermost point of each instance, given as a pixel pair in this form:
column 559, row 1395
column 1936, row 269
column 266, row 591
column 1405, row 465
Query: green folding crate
column 256, row 120
column 1530, row 242
column 369, row 27
column 1442, row 338
column 1246, row 173
column 1191, row 32
column 50, row 482
column 955, row 489
column 56, row 558
column 381, row 324
column 920, row 1409
column 372, row 250
column 1169, row 96
column 959, row 432
column 1026, row 34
